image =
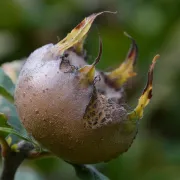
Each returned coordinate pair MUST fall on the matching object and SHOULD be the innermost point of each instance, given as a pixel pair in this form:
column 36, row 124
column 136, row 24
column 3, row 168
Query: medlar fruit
column 72, row 109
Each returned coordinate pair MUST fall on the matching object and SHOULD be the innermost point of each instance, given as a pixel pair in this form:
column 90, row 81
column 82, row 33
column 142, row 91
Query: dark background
column 28, row 24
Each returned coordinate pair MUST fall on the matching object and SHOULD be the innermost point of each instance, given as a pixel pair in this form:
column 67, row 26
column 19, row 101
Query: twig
column 88, row 172
column 11, row 159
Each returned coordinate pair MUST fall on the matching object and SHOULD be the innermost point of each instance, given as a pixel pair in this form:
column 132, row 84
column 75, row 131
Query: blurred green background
column 155, row 154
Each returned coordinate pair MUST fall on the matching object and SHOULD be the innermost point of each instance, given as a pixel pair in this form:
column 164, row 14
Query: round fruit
column 70, row 118
column 68, row 111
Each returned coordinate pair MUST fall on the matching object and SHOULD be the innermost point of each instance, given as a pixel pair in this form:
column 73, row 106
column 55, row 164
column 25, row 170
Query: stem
column 12, row 160
column 88, row 172
column 10, row 165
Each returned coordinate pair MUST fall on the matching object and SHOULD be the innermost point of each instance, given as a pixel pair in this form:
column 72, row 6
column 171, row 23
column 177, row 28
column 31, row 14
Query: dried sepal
column 77, row 36
column 87, row 72
column 119, row 76
column 146, row 95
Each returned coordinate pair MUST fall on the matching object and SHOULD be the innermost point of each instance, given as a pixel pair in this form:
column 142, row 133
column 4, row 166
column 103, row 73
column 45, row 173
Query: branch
column 88, row 172
column 12, row 159
column 10, row 165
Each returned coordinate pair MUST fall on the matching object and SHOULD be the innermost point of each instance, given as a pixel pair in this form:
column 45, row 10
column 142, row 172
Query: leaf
column 88, row 172
column 7, row 90
column 21, row 136
column 9, row 110
column 12, row 128
column 6, row 107
column 3, row 123
column 7, row 132
column 77, row 35
column 6, row 86
column 12, row 118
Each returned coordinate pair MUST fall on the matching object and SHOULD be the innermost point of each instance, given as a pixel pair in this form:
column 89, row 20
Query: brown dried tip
column 99, row 54
column 150, row 73
column 133, row 51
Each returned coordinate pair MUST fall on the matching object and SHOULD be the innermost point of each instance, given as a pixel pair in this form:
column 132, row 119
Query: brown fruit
column 52, row 105
column 75, row 118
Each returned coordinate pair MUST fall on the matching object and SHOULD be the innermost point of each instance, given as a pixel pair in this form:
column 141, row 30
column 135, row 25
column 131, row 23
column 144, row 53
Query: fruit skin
column 52, row 107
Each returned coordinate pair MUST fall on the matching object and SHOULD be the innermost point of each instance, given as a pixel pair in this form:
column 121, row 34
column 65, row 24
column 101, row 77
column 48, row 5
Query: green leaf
column 16, row 130
column 88, row 172
column 6, row 86
column 3, row 123
column 12, row 131
column 21, row 136
column 7, row 90
column 9, row 110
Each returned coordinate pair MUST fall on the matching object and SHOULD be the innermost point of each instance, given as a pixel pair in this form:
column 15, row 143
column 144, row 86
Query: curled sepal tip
column 137, row 113
column 77, row 36
column 87, row 72
column 119, row 76
column 133, row 51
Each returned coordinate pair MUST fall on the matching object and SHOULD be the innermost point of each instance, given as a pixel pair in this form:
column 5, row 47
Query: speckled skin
column 78, row 124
